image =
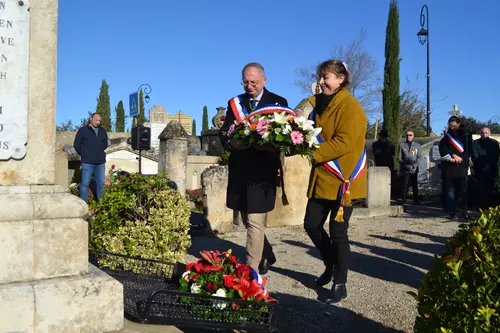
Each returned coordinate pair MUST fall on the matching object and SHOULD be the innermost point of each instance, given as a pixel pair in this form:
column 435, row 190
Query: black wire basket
column 151, row 296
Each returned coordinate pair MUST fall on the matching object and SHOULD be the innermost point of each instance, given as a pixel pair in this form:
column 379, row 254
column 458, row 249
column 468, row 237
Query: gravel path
column 389, row 256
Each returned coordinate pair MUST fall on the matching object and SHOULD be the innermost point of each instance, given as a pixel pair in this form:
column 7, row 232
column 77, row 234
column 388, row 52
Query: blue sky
column 192, row 52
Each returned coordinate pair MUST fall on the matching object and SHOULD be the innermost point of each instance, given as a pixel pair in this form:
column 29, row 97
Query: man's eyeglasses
column 251, row 83
column 409, row 134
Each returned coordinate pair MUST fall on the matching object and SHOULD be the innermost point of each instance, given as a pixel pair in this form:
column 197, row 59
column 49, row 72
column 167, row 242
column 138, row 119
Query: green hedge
column 141, row 216
column 462, row 291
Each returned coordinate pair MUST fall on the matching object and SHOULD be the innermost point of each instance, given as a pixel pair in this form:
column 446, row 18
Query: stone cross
column 455, row 111
column 174, row 152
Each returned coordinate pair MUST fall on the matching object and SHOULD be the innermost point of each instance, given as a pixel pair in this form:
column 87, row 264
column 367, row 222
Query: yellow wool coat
column 343, row 126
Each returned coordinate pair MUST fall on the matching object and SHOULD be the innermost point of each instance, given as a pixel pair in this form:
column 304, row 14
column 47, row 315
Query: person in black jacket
column 90, row 143
column 455, row 148
column 253, row 171
column 384, row 151
column 485, row 156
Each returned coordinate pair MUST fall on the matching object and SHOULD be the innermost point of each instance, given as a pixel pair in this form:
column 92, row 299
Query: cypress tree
column 204, row 124
column 193, row 128
column 104, row 107
column 141, row 117
column 120, row 117
column 390, row 93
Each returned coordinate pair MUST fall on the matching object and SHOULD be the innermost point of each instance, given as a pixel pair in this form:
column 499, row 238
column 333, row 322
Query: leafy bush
column 462, row 292
column 141, row 216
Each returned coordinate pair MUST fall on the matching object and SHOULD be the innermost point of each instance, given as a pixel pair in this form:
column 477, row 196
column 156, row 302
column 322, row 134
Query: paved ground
column 389, row 256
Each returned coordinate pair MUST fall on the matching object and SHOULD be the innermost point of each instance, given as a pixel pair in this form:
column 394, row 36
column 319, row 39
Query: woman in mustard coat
column 338, row 173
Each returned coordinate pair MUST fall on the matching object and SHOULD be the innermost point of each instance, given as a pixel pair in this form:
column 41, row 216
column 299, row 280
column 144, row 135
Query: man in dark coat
column 384, row 151
column 253, row 171
column 408, row 157
column 90, row 143
column 486, row 153
column 454, row 149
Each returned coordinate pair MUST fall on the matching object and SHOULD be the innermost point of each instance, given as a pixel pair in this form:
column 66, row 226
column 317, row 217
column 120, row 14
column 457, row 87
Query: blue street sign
column 133, row 103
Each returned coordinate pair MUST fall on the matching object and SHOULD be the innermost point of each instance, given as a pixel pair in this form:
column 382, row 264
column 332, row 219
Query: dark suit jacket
column 252, row 173
column 455, row 170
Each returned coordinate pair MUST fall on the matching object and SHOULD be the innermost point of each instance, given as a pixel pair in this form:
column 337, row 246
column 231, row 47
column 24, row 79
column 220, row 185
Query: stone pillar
column 379, row 187
column 46, row 282
column 214, row 187
column 173, row 154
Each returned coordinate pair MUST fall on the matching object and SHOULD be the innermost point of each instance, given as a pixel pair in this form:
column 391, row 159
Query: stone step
column 89, row 303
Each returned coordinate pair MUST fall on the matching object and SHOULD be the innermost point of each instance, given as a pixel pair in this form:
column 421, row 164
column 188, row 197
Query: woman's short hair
column 336, row 67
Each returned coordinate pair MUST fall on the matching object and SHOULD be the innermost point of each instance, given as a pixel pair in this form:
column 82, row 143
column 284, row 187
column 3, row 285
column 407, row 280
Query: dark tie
column 253, row 104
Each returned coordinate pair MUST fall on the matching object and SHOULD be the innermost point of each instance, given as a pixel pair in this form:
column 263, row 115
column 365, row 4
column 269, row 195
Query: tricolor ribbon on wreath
column 333, row 167
column 455, row 143
column 241, row 114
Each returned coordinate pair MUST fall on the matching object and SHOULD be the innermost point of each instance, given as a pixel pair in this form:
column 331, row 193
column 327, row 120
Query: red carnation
column 195, row 277
column 113, row 166
column 211, row 286
column 229, row 281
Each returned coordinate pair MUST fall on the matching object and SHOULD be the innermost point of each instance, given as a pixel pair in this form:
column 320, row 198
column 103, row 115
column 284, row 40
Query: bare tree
column 361, row 65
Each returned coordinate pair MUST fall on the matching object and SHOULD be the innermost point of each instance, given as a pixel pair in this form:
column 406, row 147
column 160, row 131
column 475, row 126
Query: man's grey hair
column 255, row 65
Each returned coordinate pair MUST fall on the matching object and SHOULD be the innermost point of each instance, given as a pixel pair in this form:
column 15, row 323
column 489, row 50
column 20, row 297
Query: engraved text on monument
column 14, row 57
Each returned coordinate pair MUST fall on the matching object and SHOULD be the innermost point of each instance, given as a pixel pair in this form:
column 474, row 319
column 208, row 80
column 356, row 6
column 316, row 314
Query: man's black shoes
column 325, row 278
column 338, row 293
column 265, row 264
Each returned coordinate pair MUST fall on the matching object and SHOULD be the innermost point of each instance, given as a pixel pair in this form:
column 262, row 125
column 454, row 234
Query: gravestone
column 158, row 120
column 210, row 142
column 379, row 187
column 174, row 150
column 46, row 282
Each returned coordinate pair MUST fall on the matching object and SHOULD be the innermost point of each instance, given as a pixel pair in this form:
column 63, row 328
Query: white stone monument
column 46, row 282
column 158, row 117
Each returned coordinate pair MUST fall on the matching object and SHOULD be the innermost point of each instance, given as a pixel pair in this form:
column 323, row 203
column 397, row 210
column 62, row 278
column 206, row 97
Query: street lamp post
column 147, row 91
column 423, row 37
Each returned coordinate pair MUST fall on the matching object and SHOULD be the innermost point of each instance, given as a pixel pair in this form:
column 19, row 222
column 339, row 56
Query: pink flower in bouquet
column 262, row 126
column 231, row 129
column 297, row 137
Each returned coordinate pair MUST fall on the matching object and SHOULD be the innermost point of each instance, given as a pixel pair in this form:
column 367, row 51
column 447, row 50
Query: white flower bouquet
column 278, row 127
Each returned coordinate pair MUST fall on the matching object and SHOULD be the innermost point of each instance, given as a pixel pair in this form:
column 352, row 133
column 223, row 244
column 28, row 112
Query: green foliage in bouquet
column 141, row 216
column 288, row 134
column 462, row 292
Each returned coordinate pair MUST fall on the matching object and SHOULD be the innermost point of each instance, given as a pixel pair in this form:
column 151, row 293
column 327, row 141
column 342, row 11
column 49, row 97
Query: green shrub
column 462, row 291
column 141, row 216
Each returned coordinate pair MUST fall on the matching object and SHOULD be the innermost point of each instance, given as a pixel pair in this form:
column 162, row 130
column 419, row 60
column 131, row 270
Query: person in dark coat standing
column 253, row 170
column 485, row 155
column 455, row 152
column 408, row 157
column 90, row 143
column 384, row 151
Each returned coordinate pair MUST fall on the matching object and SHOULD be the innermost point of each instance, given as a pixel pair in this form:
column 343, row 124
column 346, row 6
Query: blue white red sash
column 241, row 113
column 455, row 143
column 334, row 167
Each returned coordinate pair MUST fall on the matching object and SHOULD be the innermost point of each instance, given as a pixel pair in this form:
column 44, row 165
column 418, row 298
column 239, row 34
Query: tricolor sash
column 455, row 143
column 241, row 113
column 333, row 167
